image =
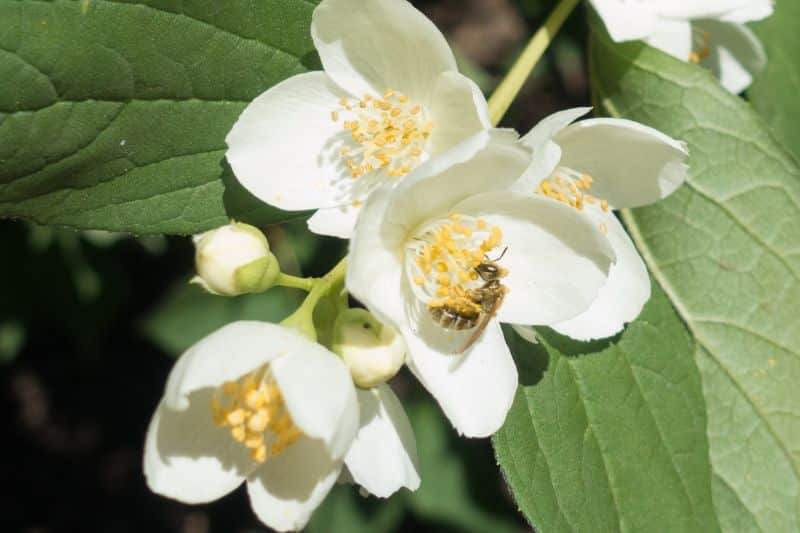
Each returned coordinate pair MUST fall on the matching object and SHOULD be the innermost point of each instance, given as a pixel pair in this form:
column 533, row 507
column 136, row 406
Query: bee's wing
column 484, row 322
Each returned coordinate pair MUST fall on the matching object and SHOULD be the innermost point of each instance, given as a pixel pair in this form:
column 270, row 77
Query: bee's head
column 489, row 271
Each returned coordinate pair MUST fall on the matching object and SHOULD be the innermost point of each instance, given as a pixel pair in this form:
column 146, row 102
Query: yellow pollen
column 389, row 135
column 447, row 257
column 603, row 228
column 253, row 408
column 572, row 191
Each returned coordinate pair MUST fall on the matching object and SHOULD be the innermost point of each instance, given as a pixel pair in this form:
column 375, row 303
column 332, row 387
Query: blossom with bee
column 596, row 166
column 424, row 253
column 709, row 32
column 390, row 97
column 260, row 404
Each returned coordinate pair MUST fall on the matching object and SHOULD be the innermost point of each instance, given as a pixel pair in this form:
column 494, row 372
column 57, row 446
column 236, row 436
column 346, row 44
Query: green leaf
column 610, row 436
column 725, row 250
column 775, row 91
column 460, row 487
column 188, row 313
column 113, row 114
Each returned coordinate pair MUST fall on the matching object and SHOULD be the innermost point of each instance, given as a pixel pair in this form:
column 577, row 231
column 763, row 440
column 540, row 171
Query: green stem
column 507, row 90
column 294, row 282
column 303, row 318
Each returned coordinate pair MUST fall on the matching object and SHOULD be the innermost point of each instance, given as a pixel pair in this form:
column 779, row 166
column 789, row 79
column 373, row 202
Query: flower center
column 253, row 408
column 386, row 134
column 572, row 188
column 442, row 259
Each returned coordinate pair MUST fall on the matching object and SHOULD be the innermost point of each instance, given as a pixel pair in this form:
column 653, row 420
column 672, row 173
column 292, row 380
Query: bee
column 474, row 308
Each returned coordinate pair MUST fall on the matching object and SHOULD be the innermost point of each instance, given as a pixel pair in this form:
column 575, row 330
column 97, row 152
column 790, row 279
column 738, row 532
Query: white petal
column 488, row 161
column 632, row 164
column 375, row 268
column 673, row 37
column 228, row 354
column 736, row 54
column 335, row 221
column 383, row 457
column 549, row 126
column 626, row 21
column 286, row 489
column 188, row 458
column 284, row 147
column 754, row 10
column 546, row 153
column 476, row 389
column 557, row 258
column 691, row 9
column 319, row 395
column 458, row 110
column 369, row 46
column 622, row 297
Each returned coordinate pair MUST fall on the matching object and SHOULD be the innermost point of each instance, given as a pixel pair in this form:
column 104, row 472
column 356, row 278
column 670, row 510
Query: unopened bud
column 374, row 352
column 234, row 259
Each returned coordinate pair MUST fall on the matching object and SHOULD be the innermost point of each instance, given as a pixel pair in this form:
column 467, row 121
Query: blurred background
column 90, row 324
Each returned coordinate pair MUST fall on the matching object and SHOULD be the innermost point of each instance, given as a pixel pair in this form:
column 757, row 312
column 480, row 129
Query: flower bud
column 374, row 352
column 234, row 259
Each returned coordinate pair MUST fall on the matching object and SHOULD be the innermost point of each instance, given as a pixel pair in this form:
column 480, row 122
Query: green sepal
column 258, row 276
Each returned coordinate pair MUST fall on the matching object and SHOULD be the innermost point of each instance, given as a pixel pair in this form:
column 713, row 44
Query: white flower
column 234, row 259
column 597, row 165
column 709, row 32
column 414, row 255
column 389, row 98
column 259, row 403
column 383, row 456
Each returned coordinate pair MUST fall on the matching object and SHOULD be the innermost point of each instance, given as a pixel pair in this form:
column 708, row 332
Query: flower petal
column 736, row 54
column 687, row 10
column 335, row 221
column 286, row 489
column 622, row 297
column 458, row 110
column 549, row 126
column 383, row 457
column 225, row 355
column 754, row 10
column 632, row 164
column 369, row 46
column 626, row 21
column 488, row 161
column 188, row 458
column 319, row 395
column 375, row 268
column 673, row 37
column 475, row 389
column 557, row 258
column 546, row 153
column 284, row 147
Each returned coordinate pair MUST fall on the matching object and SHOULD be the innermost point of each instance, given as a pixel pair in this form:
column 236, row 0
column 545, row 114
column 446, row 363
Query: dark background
column 90, row 323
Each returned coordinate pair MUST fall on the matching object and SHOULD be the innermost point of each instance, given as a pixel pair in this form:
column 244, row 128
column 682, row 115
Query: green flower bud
column 234, row 259
column 374, row 352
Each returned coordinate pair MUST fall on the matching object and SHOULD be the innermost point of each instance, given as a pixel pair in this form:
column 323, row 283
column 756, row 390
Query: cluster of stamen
column 387, row 133
column 444, row 257
column 572, row 188
column 701, row 45
column 251, row 407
